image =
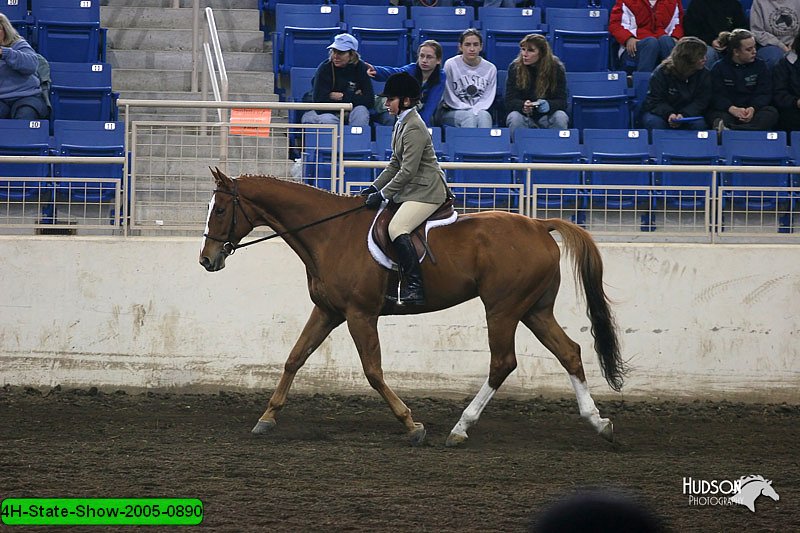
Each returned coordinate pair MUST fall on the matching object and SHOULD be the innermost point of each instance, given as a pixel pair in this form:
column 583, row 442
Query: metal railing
column 168, row 186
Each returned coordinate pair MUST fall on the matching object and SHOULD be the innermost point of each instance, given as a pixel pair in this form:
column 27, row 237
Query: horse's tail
column 589, row 270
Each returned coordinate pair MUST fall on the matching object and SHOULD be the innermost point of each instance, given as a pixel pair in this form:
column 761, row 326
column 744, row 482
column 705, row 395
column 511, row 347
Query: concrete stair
column 150, row 51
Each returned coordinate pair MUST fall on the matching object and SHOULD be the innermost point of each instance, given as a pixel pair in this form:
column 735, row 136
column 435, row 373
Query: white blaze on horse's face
column 208, row 217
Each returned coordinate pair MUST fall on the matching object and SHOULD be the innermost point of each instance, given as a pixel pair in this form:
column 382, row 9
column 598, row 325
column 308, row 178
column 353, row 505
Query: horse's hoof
column 417, row 435
column 455, row 439
column 608, row 431
column 263, row 427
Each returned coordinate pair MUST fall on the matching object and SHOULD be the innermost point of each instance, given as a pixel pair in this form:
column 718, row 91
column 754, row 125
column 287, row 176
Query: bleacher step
column 215, row 4
column 182, row 60
column 169, row 18
column 178, row 39
column 181, row 80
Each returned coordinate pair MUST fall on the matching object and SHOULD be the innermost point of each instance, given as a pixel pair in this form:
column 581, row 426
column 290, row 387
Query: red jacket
column 635, row 18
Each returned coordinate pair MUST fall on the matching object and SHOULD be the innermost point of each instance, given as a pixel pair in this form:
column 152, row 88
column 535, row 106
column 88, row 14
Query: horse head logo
column 751, row 487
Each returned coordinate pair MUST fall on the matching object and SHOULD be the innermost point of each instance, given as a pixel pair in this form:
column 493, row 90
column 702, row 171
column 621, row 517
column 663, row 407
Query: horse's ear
column 220, row 178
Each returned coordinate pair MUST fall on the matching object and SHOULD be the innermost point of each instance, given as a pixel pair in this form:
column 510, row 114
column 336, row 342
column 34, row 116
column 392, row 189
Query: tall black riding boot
column 411, row 291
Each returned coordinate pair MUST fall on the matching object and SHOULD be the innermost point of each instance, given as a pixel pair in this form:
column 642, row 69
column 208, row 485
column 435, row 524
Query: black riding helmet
column 402, row 85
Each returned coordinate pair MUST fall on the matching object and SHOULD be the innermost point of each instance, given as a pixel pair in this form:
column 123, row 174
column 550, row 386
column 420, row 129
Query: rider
column 412, row 179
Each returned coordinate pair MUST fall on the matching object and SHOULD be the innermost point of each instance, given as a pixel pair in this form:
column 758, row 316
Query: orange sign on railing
column 250, row 116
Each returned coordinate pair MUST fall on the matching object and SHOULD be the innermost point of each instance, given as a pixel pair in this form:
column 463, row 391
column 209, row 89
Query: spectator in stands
column 707, row 18
column 471, row 85
column 741, row 86
column 342, row 78
column 786, row 88
column 427, row 71
column 774, row 24
column 536, row 87
column 413, row 179
column 646, row 30
column 679, row 89
column 20, row 91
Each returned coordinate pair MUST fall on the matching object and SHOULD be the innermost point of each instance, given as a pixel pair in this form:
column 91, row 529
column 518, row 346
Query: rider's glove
column 374, row 200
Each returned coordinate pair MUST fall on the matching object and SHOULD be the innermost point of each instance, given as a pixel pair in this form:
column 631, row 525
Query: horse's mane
column 293, row 182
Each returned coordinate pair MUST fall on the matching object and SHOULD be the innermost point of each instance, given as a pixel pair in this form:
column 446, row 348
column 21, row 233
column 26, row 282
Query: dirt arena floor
column 339, row 463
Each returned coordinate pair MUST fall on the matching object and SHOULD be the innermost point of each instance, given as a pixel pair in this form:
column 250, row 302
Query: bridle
column 229, row 247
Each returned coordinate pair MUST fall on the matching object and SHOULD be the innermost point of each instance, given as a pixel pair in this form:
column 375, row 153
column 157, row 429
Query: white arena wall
column 696, row 321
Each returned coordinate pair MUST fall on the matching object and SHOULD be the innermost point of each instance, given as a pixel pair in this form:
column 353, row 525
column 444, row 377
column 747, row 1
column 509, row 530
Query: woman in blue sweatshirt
column 427, row 71
column 20, row 92
column 741, row 86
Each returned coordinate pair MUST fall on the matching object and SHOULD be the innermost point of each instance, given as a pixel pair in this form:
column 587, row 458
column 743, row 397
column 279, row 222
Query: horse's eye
column 219, row 211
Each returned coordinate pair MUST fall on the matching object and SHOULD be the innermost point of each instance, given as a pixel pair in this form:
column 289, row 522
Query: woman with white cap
column 342, row 78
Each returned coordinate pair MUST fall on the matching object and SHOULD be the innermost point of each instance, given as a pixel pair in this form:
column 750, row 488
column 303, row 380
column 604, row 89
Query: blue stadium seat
column 681, row 147
column 382, row 149
column 317, row 155
column 598, row 100
column 744, row 148
column 382, row 33
column 641, row 83
column 301, row 82
column 481, row 145
column 532, row 145
column 303, row 33
column 88, row 138
column 82, row 91
column 503, row 29
column 619, row 146
column 498, row 108
column 547, row 5
column 580, row 38
column 442, row 24
column 69, row 30
column 24, row 137
column 17, row 14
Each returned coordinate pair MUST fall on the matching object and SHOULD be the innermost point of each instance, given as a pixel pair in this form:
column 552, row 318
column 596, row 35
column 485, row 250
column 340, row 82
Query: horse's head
column 226, row 225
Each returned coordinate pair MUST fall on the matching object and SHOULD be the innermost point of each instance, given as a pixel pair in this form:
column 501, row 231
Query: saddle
column 380, row 230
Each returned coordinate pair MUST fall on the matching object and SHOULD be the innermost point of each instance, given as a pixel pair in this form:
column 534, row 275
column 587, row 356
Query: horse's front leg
column 318, row 327
column 364, row 330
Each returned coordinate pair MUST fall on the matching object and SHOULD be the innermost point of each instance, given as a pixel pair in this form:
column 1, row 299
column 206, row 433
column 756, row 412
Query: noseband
column 228, row 247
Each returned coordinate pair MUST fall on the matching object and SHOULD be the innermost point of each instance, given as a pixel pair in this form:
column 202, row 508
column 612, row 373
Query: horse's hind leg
column 318, row 327
column 544, row 325
column 503, row 362
column 364, row 330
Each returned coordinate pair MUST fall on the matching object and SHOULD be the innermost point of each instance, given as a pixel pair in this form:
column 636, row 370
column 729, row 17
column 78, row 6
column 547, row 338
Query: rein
column 228, row 247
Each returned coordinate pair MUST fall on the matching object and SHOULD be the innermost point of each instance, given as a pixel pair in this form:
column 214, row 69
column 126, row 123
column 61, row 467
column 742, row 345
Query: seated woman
column 427, row 71
column 741, row 86
column 342, row 78
column 20, row 91
column 536, row 88
column 774, row 24
column 471, row 85
column 786, row 88
column 680, row 88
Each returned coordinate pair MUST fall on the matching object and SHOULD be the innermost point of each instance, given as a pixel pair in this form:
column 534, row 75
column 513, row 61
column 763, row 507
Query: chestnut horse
column 510, row 261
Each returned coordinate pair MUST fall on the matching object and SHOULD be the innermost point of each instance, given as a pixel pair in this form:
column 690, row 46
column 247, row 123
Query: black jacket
column 744, row 85
column 515, row 98
column 786, row 83
column 706, row 18
column 352, row 80
column 667, row 94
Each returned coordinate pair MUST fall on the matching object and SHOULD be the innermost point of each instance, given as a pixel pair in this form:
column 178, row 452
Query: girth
column 380, row 230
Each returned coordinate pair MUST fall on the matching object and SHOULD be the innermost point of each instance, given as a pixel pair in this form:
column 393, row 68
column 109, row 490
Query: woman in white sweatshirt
column 471, row 85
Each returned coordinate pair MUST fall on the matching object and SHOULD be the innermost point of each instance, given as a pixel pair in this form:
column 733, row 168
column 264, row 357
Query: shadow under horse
column 510, row 261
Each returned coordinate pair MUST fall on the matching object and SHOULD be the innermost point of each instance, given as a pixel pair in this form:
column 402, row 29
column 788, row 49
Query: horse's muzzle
column 213, row 266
